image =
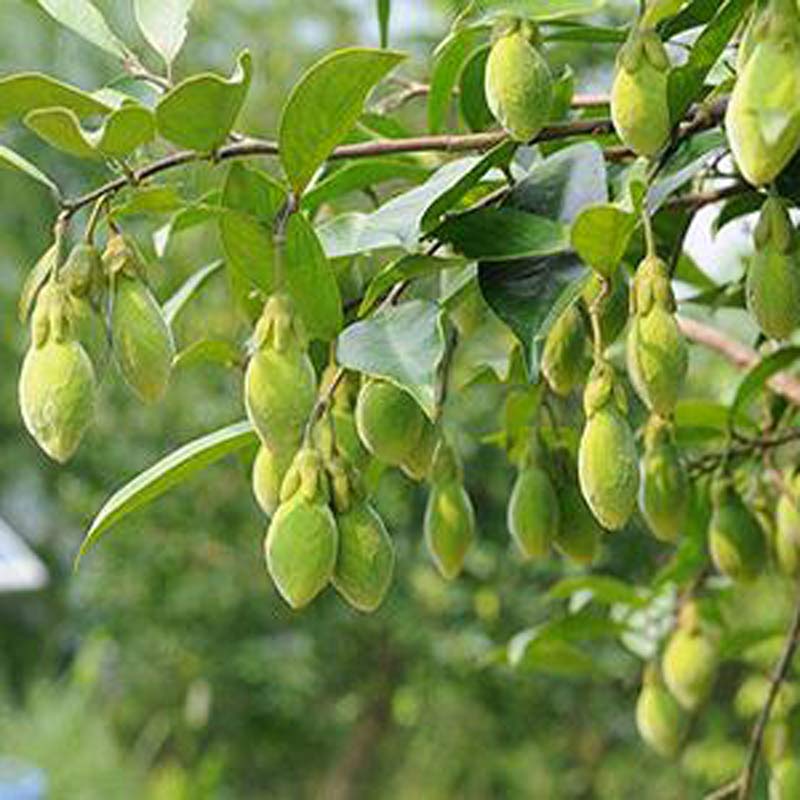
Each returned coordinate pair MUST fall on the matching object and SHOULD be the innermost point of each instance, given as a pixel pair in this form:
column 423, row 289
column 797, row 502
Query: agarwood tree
column 547, row 260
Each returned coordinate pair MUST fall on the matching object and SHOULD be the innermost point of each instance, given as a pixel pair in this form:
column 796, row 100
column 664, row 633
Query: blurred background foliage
column 167, row 667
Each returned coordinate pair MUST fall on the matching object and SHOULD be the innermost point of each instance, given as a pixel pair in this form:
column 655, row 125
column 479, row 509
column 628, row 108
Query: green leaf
column 578, row 32
column 384, row 14
column 201, row 111
column 602, row 588
column 696, row 13
column 249, row 251
column 451, row 55
column 25, row 92
column 253, row 192
column 404, row 268
column 758, row 376
column 83, row 18
column 543, row 10
column 124, row 130
column 699, row 421
column 35, row 280
column 325, row 105
column 186, row 218
column 568, row 296
column 152, row 199
column 359, row 175
column 404, row 344
column 658, row 10
column 311, row 280
column 503, row 234
column 472, row 94
column 190, row 287
column 600, row 236
column 11, row 160
column 163, row 24
column 208, row 351
column 169, row 472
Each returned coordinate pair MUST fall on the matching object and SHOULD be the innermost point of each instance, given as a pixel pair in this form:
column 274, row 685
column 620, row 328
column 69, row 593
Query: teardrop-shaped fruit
column 56, row 396
column 533, row 516
column 639, row 106
column 690, row 664
column 90, row 330
column 659, row 718
column 449, row 527
column 784, row 783
column 579, row 535
column 752, row 695
column 389, row 421
column 608, row 464
column 417, row 465
column 142, row 340
column 773, row 276
column 735, row 539
column 763, row 117
column 787, row 519
column 82, row 272
column 365, row 562
column 269, row 469
column 665, row 491
column 566, row 354
column 518, row 84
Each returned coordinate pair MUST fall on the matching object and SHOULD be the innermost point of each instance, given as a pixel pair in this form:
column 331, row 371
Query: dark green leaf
column 472, row 93
column 602, row 588
column 384, row 14
column 757, row 377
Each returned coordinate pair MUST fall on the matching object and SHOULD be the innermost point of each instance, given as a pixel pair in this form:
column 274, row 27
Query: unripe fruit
column 657, row 354
column 90, row 331
column 659, row 719
column 763, row 119
column 389, row 421
column 690, row 662
column 302, row 538
column 777, row 742
column 82, row 273
column 608, row 465
column 639, row 106
column 736, row 541
column 665, row 492
column 417, row 465
column 449, row 523
column 280, row 385
column 752, row 695
column 784, row 783
column 365, row 561
column 565, row 358
column 773, row 277
column 612, row 308
column 518, row 85
column 787, row 519
column 269, row 469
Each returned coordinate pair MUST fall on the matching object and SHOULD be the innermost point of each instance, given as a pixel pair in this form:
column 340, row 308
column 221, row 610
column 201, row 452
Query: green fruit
column 533, row 516
column 565, row 358
column 518, row 84
column 612, row 307
column 690, row 663
column 578, row 535
column 608, row 465
column 389, row 421
column 665, row 492
column 365, row 563
column 784, row 783
column 736, row 541
column 763, row 118
column 142, row 340
column 659, row 718
column 418, row 464
column 657, row 354
column 777, row 742
column 752, row 695
column 90, row 331
column 82, row 272
column 773, row 277
column 269, row 469
column 56, row 396
column 787, row 538
column 639, row 105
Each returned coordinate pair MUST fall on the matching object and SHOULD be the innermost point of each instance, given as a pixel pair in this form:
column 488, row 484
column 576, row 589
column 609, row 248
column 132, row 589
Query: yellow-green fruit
column 56, row 396
column 578, row 535
column 773, row 277
column 518, row 84
column 752, row 695
column 142, row 340
column 533, row 516
column 787, row 520
column 389, row 421
column 690, row 666
column 639, row 105
column 269, row 469
column 735, row 539
column 365, row 562
column 665, row 492
column 348, row 442
column 763, row 117
column 659, row 719
column 777, row 742
column 784, row 782
column 449, row 526
column 90, row 331
column 417, row 465
column 82, row 272
column 565, row 359
column 657, row 354
column 612, row 307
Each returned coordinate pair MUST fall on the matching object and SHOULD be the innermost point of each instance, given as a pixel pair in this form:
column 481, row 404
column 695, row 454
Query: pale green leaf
column 163, row 23
column 83, row 18
column 188, row 290
column 11, row 160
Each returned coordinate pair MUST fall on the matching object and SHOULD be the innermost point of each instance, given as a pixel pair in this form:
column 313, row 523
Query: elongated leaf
column 311, row 280
column 753, row 382
column 11, row 160
column 163, row 23
column 404, row 344
column 83, row 18
column 543, row 10
column 208, row 351
column 149, row 200
column 472, row 93
column 188, row 290
column 603, row 589
column 384, row 15
column 451, row 56
column 169, row 472
column 201, row 111
column 35, row 280
column 253, row 192
column 249, row 250
column 25, row 92
column 325, row 105
column 600, row 235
